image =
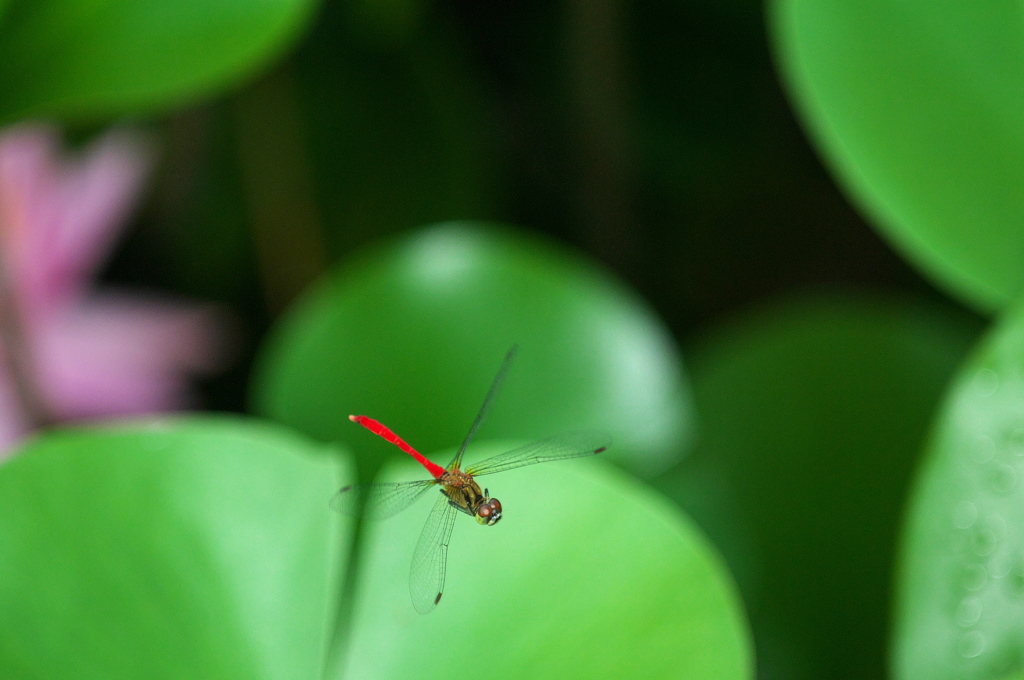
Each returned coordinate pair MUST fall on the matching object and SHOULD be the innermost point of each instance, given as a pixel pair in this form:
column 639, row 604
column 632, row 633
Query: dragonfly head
column 489, row 511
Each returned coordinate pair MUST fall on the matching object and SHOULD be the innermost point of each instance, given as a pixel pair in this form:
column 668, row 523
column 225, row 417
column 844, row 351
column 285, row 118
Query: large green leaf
column 89, row 58
column 812, row 415
column 588, row 575
column 961, row 582
column 179, row 549
column 412, row 333
column 918, row 106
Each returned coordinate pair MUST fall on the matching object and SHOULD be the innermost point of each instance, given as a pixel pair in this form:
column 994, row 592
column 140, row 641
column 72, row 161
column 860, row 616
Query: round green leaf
column 919, row 108
column 588, row 575
column 88, row 58
column 961, row 582
column 413, row 332
column 812, row 416
column 198, row 548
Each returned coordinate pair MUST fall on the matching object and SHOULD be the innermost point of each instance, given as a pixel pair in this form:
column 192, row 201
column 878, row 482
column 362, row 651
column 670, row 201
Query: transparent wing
column 488, row 402
column 543, row 451
column 426, row 579
column 379, row 501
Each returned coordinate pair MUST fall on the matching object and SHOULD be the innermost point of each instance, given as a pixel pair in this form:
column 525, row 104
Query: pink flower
column 70, row 350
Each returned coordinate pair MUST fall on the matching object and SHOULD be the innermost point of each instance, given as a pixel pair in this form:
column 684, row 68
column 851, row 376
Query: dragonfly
column 459, row 491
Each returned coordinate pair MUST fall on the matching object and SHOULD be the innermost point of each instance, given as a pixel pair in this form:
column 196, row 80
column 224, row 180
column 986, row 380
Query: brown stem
column 278, row 182
column 599, row 92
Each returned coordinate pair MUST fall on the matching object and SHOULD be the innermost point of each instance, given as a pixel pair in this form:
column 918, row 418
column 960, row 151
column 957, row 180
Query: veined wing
column 426, row 579
column 543, row 451
column 486, row 407
column 379, row 501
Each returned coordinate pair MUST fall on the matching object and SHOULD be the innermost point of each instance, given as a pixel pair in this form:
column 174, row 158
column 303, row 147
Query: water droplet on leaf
column 972, row 644
column 969, row 612
column 974, row 577
column 984, row 542
column 965, row 514
column 1015, row 440
column 1002, row 479
column 983, row 449
column 986, row 382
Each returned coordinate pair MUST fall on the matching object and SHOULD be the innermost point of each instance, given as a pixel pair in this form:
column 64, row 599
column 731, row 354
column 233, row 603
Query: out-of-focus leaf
column 75, row 59
column 195, row 548
column 588, row 575
column 412, row 334
column 961, row 582
column 812, row 416
column 919, row 108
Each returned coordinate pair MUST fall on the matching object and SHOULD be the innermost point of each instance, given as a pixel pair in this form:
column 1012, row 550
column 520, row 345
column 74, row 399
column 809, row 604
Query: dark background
column 654, row 135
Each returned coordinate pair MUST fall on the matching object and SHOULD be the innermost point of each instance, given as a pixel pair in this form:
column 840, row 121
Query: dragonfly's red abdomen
column 385, row 433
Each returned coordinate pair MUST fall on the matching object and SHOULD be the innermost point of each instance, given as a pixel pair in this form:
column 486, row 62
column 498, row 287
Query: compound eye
column 489, row 513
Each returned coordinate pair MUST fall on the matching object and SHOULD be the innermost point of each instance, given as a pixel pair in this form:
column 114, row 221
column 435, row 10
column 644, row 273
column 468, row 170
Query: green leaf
column 412, row 334
column 918, row 106
column 195, row 548
column 812, row 415
column 1019, row 675
column 961, row 582
column 83, row 59
column 588, row 575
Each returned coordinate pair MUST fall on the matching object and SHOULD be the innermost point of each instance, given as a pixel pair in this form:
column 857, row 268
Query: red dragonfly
column 459, row 489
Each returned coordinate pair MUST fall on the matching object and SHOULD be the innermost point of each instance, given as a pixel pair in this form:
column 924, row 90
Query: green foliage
column 412, row 333
column 961, row 583
column 918, row 107
column 192, row 548
column 202, row 548
column 588, row 575
column 83, row 59
column 812, row 415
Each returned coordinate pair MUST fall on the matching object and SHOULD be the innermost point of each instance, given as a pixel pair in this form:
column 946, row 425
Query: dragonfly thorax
column 465, row 494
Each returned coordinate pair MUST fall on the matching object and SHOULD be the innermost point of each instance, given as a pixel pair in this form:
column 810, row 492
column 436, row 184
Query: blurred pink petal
column 116, row 354
column 60, row 218
column 89, row 354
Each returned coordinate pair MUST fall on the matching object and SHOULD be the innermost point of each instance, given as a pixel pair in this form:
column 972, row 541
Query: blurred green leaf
column 812, row 414
column 961, row 582
column 919, row 108
column 194, row 548
column 75, row 59
column 588, row 575
column 413, row 332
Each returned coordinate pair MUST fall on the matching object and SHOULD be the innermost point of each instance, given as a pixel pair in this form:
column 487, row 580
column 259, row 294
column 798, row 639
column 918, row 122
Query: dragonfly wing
column 426, row 579
column 543, row 451
column 379, row 501
column 486, row 407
